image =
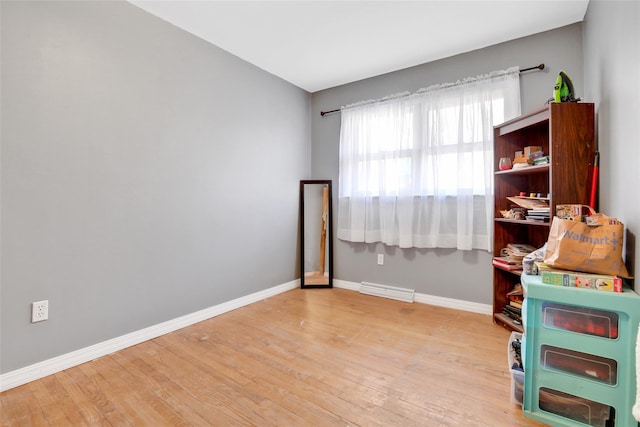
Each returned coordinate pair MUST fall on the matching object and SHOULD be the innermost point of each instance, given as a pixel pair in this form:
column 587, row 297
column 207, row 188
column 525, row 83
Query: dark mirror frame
column 329, row 235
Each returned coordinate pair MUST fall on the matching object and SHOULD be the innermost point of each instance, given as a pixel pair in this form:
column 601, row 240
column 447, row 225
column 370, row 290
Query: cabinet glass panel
column 580, row 320
column 575, row 408
column 580, row 364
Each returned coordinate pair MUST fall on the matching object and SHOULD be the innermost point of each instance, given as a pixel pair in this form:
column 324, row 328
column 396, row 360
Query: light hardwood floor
column 313, row 357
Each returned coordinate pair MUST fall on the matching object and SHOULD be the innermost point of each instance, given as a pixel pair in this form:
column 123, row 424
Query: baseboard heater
column 392, row 292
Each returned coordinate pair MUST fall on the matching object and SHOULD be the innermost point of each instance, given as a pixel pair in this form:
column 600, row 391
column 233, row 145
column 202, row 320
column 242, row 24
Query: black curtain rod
column 537, row 67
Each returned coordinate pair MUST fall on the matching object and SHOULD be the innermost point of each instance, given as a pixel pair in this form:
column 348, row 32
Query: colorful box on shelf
column 577, row 279
column 528, row 151
column 573, row 212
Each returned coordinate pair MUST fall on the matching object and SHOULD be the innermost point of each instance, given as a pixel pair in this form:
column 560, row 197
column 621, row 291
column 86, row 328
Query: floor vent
column 400, row 294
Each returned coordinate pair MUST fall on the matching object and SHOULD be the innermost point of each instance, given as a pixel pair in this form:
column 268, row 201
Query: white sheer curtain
column 416, row 170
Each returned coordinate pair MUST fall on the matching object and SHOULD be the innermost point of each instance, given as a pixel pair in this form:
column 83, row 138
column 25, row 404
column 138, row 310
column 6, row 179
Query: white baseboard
column 343, row 284
column 39, row 370
column 473, row 307
column 51, row 366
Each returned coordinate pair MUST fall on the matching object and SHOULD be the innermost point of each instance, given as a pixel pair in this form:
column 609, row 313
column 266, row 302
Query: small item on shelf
column 504, row 163
column 529, row 152
column 543, row 160
column 535, row 156
column 530, row 261
column 574, row 212
column 513, row 213
column 521, row 159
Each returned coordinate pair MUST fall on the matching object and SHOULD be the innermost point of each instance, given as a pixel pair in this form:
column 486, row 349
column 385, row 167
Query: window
column 416, row 170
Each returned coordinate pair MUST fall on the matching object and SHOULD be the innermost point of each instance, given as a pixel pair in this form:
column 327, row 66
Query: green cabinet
column 579, row 355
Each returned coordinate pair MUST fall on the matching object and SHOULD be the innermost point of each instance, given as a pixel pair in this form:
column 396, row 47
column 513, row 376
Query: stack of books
column 517, row 250
column 506, row 263
column 511, row 256
column 513, row 309
column 513, row 313
column 544, row 160
column 538, row 214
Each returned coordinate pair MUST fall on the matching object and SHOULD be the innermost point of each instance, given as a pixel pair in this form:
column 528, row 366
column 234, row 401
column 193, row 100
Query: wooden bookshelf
column 566, row 133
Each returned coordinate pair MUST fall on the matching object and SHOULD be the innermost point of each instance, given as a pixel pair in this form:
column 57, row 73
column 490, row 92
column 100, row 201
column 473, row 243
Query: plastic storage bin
column 575, row 408
column 580, row 355
column 580, row 320
column 517, row 375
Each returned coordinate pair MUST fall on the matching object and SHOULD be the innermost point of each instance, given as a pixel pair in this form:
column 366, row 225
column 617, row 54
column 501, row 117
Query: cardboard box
column 577, row 279
column 572, row 212
column 528, row 151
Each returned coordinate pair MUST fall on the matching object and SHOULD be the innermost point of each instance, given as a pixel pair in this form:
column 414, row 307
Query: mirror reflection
column 315, row 237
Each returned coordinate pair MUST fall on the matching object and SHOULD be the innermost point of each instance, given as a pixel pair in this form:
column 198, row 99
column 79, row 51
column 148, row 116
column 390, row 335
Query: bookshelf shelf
column 525, row 171
column 507, row 321
column 566, row 133
column 524, row 222
column 514, row 272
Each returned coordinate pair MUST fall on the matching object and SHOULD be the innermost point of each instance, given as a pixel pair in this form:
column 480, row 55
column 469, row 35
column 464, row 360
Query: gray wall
column 144, row 171
column 465, row 275
column 146, row 175
column 612, row 64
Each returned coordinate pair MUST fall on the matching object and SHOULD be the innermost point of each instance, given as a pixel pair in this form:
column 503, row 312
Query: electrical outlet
column 380, row 259
column 39, row 311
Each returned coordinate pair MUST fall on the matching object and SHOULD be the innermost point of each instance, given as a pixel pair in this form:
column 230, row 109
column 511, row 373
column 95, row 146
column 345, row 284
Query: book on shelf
column 516, row 296
column 521, row 248
column 537, row 218
column 506, row 260
column 510, row 267
column 517, row 251
column 543, row 214
column 513, row 310
column 513, row 316
column 516, row 291
column 516, row 304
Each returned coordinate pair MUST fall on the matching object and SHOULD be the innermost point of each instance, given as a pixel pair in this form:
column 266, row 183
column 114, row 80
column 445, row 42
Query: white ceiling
column 321, row 44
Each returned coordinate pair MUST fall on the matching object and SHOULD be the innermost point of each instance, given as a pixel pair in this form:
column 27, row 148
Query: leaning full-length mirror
column 316, row 241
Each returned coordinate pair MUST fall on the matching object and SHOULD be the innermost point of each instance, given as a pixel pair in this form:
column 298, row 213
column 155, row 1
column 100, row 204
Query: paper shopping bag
column 575, row 245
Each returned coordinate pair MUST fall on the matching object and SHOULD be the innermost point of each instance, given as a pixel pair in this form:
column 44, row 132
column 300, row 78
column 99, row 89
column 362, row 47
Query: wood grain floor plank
column 317, row 357
column 55, row 403
column 156, row 365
